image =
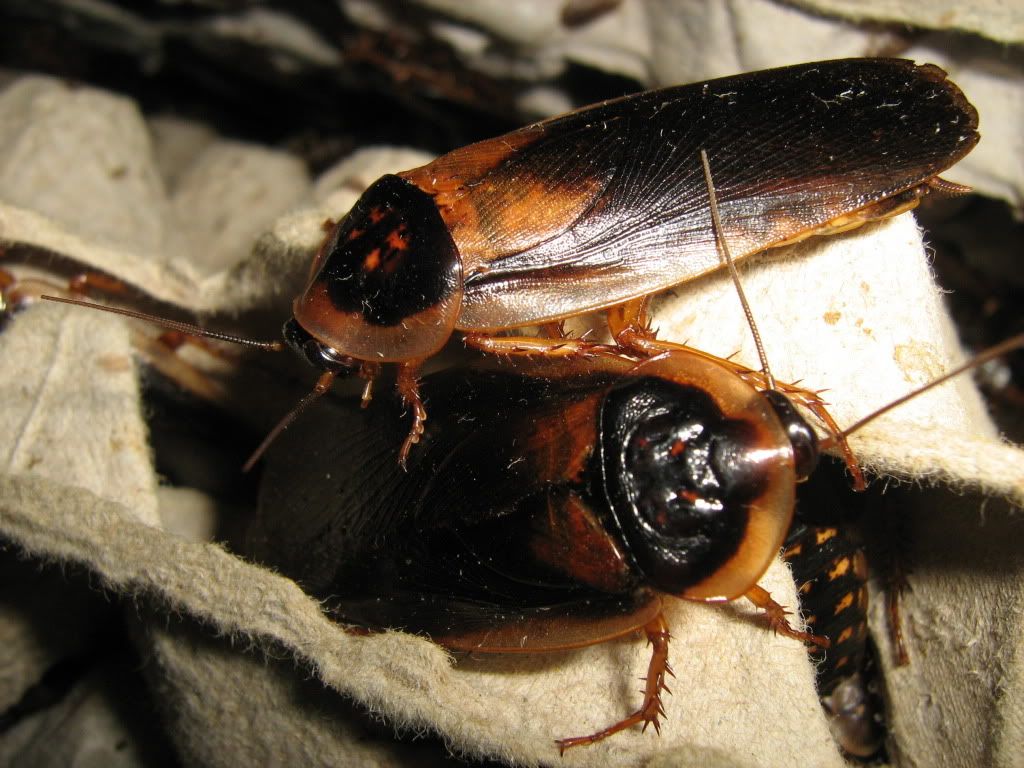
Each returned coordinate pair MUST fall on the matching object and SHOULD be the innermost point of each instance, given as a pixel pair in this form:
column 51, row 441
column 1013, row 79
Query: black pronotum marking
column 392, row 256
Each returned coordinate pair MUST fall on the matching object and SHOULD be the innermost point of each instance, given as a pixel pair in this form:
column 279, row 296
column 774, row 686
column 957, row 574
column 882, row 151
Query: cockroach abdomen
column 831, row 573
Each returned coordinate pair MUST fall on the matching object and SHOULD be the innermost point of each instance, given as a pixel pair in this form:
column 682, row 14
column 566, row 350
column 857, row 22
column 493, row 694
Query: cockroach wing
column 433, row 549
column 609, row 203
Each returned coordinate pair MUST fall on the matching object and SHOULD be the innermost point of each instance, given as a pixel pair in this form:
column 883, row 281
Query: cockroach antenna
column 723, row 247
column 174, row 325
column 323, row 383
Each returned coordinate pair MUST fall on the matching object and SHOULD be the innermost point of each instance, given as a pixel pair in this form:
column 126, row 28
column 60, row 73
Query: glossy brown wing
column 609, row 202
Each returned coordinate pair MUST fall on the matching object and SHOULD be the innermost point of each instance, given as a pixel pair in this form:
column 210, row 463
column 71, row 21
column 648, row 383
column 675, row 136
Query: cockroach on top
column 601, row 207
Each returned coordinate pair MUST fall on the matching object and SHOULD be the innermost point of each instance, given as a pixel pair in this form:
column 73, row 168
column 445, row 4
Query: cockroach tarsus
column 601, row 207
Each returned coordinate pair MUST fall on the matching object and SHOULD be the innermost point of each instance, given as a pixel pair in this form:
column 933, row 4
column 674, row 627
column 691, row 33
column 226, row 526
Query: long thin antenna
column 323, row 384
column 174, row 325
column 724, row 246
column 1014, row 342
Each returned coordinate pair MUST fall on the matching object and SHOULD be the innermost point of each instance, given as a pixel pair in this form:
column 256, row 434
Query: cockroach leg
column 630, row 326
column 7, row 281
column 777, row 614
column 408, row 385
column 18, row 293
column 531, row 345
column 651, row 710
column 555, row 330
column 26, row 291
column 632, row 321
column 897, row 586
column 368, row 372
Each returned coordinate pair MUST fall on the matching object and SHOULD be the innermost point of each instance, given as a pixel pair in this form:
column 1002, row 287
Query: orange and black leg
column 532, row 346
column 651, row 710
column 778, row 621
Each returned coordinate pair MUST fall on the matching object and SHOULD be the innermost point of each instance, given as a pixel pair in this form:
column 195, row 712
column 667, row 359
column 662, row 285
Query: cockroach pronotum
column 604, row 206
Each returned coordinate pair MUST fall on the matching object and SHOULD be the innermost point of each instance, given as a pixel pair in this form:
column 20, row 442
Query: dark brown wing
column 444, row 548
column 609, row 202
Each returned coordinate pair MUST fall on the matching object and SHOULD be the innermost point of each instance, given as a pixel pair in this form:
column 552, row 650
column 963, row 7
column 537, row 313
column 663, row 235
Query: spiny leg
column 16, row 293
column 898, row 584
column 887, row 550
column 777, row 614
column 555, row 330
column 81, row 283
column 651, row 710
column 630, row 326
column 368, row 372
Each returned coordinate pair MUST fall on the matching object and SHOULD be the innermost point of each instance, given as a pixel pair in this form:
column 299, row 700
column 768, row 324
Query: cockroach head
column 805, row 442
column 316, row 353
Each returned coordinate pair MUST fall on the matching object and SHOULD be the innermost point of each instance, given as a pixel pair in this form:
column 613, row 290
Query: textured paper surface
column 856, row 314
column 996, row 19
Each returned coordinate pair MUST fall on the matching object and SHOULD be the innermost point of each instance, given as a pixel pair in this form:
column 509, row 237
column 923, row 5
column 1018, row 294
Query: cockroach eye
column 802, row 437
column 332, row 358
column 314, row 352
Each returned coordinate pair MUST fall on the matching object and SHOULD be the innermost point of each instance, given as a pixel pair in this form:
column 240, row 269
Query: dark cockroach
column 544, row 510
column 601, row 207
column 553, row 504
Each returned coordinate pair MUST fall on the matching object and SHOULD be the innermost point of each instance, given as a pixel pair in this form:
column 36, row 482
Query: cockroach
column 552, row 504
column 604, row 206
